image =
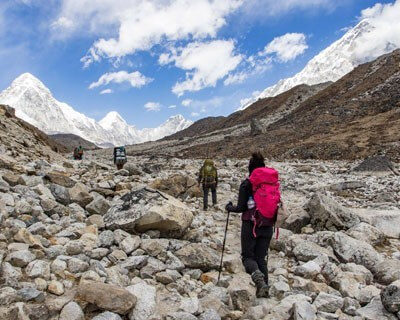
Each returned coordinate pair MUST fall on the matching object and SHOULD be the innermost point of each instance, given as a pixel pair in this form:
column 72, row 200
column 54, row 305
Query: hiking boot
column 262, row 287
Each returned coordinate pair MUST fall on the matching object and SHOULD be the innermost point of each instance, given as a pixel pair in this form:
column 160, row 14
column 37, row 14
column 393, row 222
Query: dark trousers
column 206, row 190
column 254, row 250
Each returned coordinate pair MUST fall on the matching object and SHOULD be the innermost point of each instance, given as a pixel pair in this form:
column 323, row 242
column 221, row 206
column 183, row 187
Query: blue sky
column 196, row 58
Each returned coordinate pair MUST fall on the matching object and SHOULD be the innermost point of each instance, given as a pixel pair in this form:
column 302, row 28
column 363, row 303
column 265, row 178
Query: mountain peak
column 112, row 118
column 28, row 79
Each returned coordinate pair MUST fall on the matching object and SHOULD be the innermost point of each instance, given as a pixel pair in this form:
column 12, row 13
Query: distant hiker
column 120, row 157
column 80, row 152
column 76, row 154
column 208, row 177
column 259, row 198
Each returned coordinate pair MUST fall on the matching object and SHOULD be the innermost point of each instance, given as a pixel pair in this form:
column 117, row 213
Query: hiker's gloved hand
column 229, row 206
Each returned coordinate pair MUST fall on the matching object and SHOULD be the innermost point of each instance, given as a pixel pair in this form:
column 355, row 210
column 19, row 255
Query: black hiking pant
column 254, row 250
column 206, row 190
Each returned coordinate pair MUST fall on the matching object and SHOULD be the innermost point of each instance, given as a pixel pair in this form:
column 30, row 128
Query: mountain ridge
column 34, row 103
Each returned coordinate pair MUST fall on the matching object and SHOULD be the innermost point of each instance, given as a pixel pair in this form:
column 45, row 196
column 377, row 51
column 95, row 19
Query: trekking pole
column 223, row 248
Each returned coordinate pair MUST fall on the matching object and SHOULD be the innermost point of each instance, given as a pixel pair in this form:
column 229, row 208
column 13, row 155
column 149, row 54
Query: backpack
column 209, row 173
column 120, row 156
column 266, row 194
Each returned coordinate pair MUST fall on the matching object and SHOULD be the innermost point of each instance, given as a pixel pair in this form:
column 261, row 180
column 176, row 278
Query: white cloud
column 287, row 47
column 205, row 62
column 186, row 102
column 135, row 79
column 106, row 91
column 128, row 26
column 172, row 106
column 194, row 114
column 384, row 35
column 152, row 106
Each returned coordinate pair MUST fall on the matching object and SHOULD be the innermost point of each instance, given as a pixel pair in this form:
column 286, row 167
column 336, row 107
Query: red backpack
column 266, row 194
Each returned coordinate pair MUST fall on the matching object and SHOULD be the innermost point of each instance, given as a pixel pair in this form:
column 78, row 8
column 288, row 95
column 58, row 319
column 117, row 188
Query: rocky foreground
column 80, row 240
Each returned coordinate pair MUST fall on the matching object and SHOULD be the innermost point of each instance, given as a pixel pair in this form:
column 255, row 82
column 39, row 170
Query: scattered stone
column 198, row 256
column 80, row 195
column 390, row 297
column 106, row 296
column 72, row 311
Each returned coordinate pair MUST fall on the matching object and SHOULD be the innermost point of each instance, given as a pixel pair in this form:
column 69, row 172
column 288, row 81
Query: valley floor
column 81, row 240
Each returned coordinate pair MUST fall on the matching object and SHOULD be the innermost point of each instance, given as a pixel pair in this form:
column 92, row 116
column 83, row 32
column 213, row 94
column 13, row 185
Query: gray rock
column 135, row 262
column 38, row 269
column 303, row 310
column 180, row 316
column 146, row 301
column 387, row 271
column 390, row 297
column 327, row 214
column 76, row 265
column 350, row 306
column 198, row 256
column 298, row 219
column 256, row 128
column 74, row 247
column 61, row 194
column 72, row 311
column 328, row 302
column 132, row 169
column 106, row 239
column 8, row 295
column 241, row 291
column 99, row 206
column 20, row 258
column 31, row 294
column 80, row 195
column 146, row 209
column 349, row 249
column 107, row 316
column 130, row 244
column 210, row 314
column 375, row 310
column 367, row 233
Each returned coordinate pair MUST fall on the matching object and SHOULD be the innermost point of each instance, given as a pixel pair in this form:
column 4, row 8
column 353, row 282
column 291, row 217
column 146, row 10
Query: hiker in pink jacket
column 259, row 197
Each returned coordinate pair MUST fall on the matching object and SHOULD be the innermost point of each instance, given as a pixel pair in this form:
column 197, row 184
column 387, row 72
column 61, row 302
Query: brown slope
column 23, row 141
column 262, row 108
column 356, row 116
column 70, row 141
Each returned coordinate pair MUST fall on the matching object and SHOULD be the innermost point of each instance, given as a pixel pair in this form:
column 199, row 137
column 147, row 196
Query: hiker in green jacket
column 208, row 177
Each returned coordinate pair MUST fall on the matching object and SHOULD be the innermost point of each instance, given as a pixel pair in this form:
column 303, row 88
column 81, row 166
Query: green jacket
column 208, row 174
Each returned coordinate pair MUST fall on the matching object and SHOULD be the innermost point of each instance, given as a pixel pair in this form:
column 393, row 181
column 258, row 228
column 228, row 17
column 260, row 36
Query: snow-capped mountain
column 331, row 64
column 34, row 103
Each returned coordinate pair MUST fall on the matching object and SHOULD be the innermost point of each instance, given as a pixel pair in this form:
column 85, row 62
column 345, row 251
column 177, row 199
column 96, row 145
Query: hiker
column 259, row 197
column 120, row 157
column 80, row 152
column 208, row 177
column 76, row 155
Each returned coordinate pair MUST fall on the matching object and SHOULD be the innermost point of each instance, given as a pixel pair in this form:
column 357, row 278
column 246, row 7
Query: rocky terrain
column 81, row 240
column 71, row 141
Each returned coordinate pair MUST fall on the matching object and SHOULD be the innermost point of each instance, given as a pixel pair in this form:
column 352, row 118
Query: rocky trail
column 81, row 240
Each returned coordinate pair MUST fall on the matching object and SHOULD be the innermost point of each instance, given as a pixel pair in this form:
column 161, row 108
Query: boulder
column 146, row 301
column 178, row 186
column 390, row 297
column 147, row 209
column 367, row 233
column 198, row 256
column 107, row 316
column 328, row 302
column 99, row 205
column 327, row 214
column 377, row 163
column 7, row 162
column 60, row 178
column 303, row 310
column 61, row 194
column 80, row 195
column 375, row 310
column 298, row 219
column 72, row 311
column 106, row 296
column 256, row 128
column 242, row 291
column 348, row 249
column 132, row 169
column 12, row 179
column 387, row 271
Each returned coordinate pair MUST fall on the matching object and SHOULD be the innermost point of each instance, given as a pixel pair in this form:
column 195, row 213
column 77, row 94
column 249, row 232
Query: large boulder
column 387, row 221
column 242, row 291
column 387, row 271
column 198, row 256
column 390, row 297
column 106, row 296
column 60, row 178
column 375, row 310
column 146, row 209
column 178, row 186
column 327, row 214
column 256, row 128
column 379, row 164
column 348, row 249
column 99, row 205
column 367, row 233
column 297, row 219
column 80, row 195
column 146, row 301
column 60, row 193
